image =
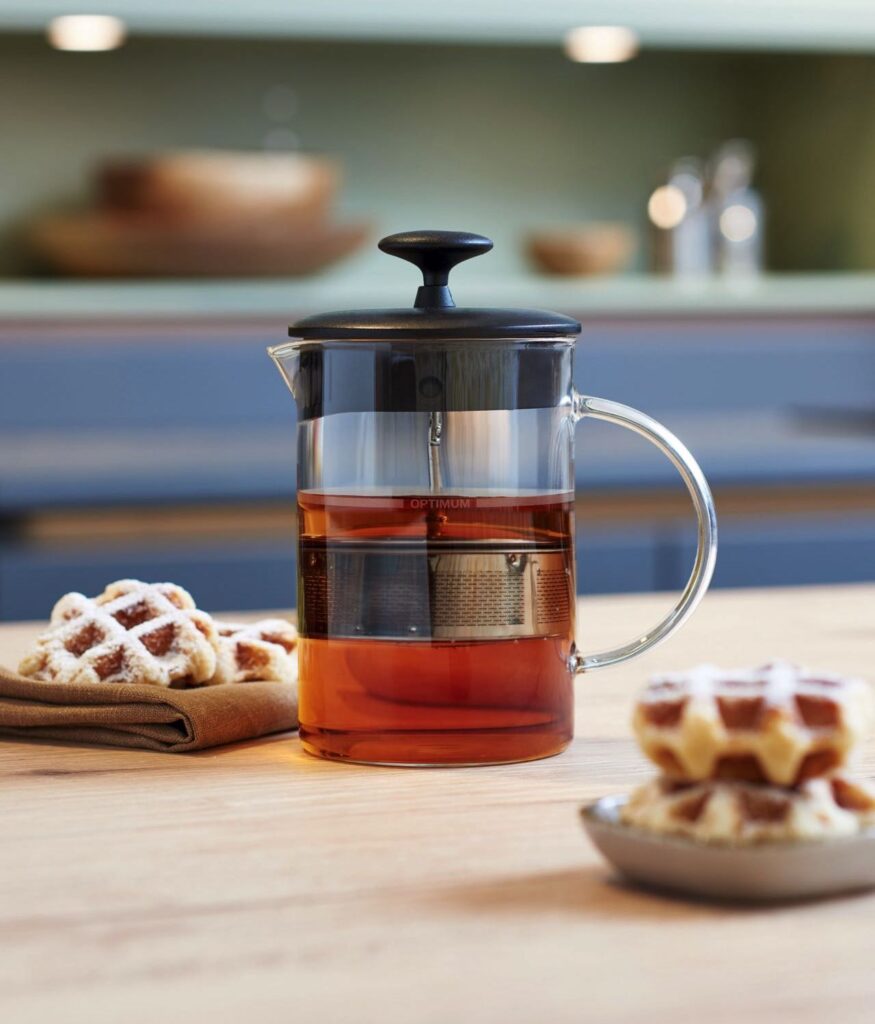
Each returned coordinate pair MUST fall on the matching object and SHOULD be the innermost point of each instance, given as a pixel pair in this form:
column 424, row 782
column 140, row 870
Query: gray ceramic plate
column 767, row 871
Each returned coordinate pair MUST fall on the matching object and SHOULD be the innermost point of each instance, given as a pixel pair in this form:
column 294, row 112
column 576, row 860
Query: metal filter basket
column 413, row 590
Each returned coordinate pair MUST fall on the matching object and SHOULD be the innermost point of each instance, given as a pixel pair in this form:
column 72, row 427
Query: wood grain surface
column 256, row 884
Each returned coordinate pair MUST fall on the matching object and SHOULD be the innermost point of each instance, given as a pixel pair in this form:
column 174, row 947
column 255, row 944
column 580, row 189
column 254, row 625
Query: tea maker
column 436, row 575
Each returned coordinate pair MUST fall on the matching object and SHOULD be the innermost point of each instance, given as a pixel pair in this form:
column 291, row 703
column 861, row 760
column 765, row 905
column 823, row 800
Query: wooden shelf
column 39, row 301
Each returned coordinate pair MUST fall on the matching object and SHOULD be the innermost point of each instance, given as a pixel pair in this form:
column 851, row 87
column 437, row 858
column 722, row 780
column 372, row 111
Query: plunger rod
column 435, row 429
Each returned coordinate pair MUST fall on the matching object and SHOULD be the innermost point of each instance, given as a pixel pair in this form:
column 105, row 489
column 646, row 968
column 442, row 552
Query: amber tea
column 436, row 628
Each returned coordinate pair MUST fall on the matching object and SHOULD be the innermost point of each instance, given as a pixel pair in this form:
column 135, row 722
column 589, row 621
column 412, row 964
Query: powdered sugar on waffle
column 778, row 724
column 132, row 633
column 742, row 813
column 776, row 683
column 256, row 651
column 152, row 633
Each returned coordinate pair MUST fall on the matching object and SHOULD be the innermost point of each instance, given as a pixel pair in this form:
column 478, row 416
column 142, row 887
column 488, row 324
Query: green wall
column 489, row 138
column 814, row 121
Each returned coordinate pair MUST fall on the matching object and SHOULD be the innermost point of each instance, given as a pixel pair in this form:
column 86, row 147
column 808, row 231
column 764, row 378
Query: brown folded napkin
column 151, row 717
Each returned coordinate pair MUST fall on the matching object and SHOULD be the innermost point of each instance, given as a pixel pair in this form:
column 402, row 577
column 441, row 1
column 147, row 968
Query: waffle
column 777, row 725
column 175, row 594
column 257, row 651
column 132, row 633
column 142, row 601
column 739, row 812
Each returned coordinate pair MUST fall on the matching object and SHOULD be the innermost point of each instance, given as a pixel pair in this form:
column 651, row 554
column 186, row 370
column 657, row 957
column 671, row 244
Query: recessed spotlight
column 667, row 207
column 601, row 44
column 86, row 32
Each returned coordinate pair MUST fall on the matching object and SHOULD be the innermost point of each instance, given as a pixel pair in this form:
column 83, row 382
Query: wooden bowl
column 211, row 183
column 104, row 245
column 581, row 250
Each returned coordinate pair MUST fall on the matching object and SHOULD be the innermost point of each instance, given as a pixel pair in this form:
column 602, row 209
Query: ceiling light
column 86, row 32
column 601, row 44
column 667, row 207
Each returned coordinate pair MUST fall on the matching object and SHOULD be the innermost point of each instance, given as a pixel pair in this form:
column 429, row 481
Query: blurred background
column 693, row 179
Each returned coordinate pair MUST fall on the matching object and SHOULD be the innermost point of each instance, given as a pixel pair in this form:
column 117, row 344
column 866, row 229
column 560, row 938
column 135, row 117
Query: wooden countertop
column 256, row 883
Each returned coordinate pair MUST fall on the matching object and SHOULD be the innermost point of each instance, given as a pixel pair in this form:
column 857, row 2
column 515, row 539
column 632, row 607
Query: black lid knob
column 435, row 316
column 435, row 253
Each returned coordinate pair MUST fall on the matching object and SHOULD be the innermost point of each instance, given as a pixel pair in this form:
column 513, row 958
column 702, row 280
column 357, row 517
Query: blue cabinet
column 616, row 561
column 221, row 576
column 814, row 550
column 158, row 416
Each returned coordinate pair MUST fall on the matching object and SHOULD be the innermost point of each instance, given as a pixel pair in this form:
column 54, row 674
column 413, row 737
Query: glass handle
column 706, row 551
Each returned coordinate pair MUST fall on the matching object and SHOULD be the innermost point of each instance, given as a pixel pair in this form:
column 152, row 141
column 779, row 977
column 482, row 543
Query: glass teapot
column 436, row 572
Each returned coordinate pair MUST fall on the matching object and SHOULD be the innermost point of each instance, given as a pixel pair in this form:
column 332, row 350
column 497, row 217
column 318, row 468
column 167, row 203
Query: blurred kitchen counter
column 41, row 300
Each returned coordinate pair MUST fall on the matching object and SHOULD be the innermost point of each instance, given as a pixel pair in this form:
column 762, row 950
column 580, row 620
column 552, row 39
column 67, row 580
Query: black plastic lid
column 434, row 314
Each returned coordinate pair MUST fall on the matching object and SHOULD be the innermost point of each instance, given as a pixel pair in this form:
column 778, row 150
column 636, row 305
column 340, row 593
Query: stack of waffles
column 753, row 755
column 152, row 633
